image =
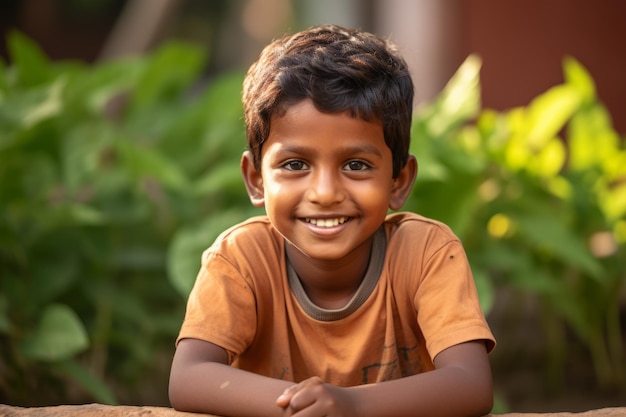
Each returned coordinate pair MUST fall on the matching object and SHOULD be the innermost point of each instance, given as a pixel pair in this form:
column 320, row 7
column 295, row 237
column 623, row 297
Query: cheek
column 373, row 190
column 280, row 196
column 373, row 197
column 275, row 188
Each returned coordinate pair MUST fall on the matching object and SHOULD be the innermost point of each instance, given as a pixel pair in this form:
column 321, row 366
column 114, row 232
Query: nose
column 325, row 188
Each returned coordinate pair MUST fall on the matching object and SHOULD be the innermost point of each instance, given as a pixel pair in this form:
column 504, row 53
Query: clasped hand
column 314, row 398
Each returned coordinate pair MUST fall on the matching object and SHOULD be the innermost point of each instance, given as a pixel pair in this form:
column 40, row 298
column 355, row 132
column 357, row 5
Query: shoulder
column 258, row 225
column 414, row 227
column 414, row 240
column 251, row 239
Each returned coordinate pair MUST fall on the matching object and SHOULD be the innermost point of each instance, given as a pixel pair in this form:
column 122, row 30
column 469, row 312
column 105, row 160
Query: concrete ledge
column 99, row 410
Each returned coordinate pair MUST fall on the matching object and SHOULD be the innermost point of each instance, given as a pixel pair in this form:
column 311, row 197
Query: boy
column 328, row 306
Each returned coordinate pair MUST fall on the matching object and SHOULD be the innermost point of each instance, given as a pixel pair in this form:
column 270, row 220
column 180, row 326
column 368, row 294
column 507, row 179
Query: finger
column 286, row 397
column 306, row 394
column 302, row 399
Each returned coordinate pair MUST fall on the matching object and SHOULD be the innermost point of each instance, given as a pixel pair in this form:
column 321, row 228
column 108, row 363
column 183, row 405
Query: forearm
column 215, row 388
column 451, row 391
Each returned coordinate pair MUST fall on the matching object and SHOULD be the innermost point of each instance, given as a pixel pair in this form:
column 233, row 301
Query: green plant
column 99, row 167
column 538, row 196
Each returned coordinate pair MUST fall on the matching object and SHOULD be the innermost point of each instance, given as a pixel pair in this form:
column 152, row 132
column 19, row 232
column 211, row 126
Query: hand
column 314, row 398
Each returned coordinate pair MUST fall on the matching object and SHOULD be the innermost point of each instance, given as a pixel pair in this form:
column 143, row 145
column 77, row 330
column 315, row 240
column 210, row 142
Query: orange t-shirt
column 417, row 299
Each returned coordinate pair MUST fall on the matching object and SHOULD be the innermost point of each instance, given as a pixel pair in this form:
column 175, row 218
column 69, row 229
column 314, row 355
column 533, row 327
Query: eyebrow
column 367, row 148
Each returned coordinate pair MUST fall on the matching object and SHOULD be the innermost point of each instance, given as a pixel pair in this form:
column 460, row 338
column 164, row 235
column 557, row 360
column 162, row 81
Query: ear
column 403, row 185
column 253, row 180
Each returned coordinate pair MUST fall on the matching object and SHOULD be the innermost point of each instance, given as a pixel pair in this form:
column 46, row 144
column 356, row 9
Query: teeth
column 327, row 222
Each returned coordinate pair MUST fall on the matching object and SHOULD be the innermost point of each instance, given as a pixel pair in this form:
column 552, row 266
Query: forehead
column 303, row 122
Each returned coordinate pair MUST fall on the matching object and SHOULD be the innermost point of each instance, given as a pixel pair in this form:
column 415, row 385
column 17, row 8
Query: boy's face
column 326, row 181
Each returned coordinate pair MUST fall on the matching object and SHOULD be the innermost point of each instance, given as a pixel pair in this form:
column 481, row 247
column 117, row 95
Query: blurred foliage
column 115, row 177
column 101, row 167
column 537, row 194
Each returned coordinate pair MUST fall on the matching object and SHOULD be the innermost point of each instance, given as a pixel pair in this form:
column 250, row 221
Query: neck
column 331, row 284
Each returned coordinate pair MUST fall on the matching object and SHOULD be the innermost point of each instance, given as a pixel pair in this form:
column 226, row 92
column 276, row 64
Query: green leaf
column 84, row 151
column 456, row 206
column 222, row 177
column 422, row 146
column 534, row 279
column 547, row 231
column 34, row 105
column 83, row 214
column 37, row 174
column 149, row 162
column 549, row 160
column 209, row 130
column 615, row 167
column 104, row 84
column 31, row 63
column 548, row 113
column 613, row 202
column 592, row 138
column 59, row 335
column 184, row 253
column 459, row 100
column 170, row 71
column 56, row 270
column 51, row 106
column 577, row 76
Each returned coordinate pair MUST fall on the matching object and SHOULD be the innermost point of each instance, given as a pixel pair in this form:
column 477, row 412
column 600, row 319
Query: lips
column 330, row 222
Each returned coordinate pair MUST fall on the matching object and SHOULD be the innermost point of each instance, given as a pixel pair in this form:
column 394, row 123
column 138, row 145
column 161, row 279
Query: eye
column 356, row 166
column 294, row 165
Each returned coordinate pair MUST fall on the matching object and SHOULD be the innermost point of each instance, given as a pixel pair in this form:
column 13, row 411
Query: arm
column 201, row 381
column 460, row 385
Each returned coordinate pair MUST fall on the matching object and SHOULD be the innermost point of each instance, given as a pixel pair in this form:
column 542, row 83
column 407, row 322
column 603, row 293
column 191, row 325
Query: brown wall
column 523, row 43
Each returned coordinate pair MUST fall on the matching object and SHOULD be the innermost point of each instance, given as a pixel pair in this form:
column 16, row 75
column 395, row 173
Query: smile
column 327, row 222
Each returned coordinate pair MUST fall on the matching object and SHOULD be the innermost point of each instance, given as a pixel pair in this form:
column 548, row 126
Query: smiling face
column 326, row 182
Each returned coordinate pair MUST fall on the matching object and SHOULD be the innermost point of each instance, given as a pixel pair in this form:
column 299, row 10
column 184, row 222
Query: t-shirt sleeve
column 446, row 301
column 221, row 306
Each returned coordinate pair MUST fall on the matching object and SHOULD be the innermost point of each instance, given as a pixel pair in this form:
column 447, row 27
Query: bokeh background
column 120, row 134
